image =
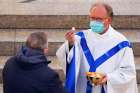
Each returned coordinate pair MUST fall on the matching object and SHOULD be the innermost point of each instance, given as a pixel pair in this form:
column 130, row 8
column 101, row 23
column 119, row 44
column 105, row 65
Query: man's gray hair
column 37, row 40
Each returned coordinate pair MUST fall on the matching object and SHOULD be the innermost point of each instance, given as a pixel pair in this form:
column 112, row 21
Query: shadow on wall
column 27, row 1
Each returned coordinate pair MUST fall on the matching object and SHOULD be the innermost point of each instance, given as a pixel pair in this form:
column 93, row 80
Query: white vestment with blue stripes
column 120, row 68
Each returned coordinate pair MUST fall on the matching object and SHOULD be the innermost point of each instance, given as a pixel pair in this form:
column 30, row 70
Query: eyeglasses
column 98, row 19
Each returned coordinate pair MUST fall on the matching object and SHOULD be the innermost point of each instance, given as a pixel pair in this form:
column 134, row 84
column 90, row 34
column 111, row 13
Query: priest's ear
column 109, row 20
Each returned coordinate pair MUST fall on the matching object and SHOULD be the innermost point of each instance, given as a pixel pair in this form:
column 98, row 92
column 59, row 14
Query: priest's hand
column 70, row 36
column 102, row 81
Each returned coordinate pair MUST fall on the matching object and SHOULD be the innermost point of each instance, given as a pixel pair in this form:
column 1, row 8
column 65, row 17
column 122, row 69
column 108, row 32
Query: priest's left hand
column 102, row 81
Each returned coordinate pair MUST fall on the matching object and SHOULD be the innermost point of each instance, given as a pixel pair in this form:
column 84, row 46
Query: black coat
column 28, row 72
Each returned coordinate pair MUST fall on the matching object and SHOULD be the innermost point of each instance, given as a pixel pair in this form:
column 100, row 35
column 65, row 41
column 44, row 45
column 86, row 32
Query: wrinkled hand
column 70, row 36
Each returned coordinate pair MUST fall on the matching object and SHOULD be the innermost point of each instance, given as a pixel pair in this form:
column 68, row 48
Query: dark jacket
column 28, row 72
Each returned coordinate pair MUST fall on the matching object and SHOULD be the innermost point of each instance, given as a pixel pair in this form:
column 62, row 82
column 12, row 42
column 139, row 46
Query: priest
column 100, row 49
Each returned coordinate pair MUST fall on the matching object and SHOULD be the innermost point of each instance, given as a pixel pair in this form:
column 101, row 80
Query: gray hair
column 37, row 40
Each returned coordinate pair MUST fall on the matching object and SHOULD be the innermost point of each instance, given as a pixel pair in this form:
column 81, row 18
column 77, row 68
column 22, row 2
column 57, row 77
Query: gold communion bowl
column 94, row 77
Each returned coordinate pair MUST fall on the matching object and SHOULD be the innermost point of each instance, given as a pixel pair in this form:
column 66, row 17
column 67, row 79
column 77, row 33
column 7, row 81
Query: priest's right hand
column 70, row 36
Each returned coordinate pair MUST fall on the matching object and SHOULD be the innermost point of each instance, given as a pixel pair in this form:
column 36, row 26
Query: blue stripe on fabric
column 89, row 58
column 70, row 74
column 89, row 87
column 95, row 64
column 87, row 52
column 102, row 90
column 111, row 53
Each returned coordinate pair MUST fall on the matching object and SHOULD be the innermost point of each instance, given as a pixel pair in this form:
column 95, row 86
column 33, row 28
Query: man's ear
column 46, row 51
column 109, row 20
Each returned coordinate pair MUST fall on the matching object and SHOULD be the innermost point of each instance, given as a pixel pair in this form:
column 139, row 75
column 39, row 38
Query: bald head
column 103, row 13
column 101, row 10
